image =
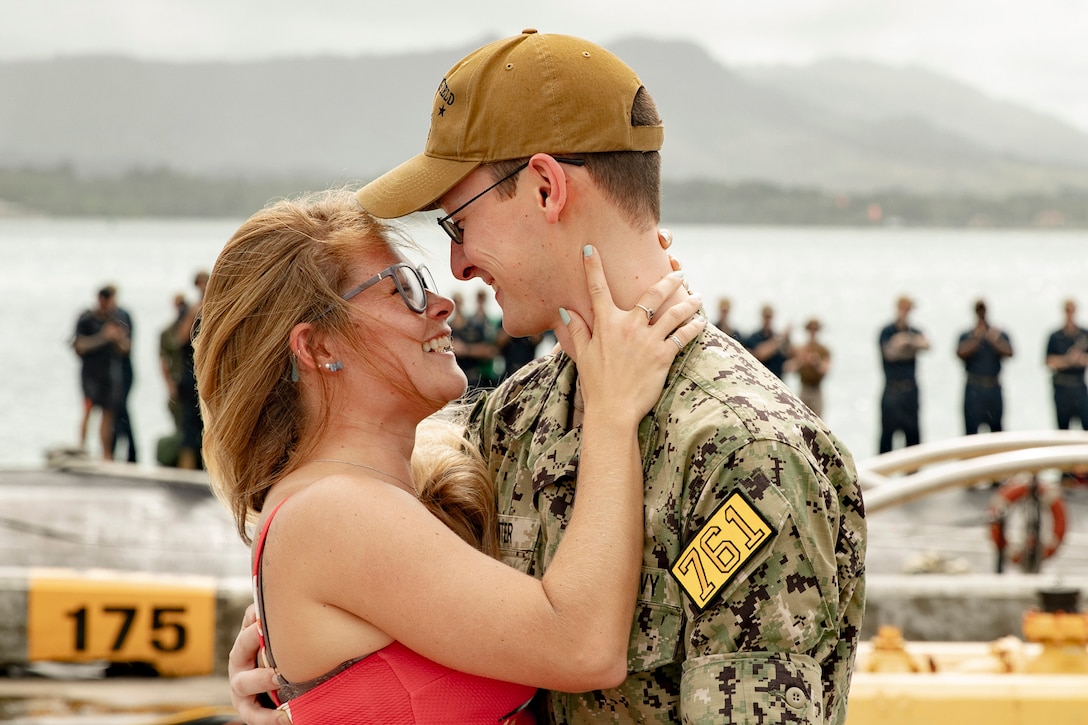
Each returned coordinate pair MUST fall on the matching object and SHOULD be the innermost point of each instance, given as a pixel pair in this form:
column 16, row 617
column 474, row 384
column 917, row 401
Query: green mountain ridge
column 842, row 126
column 838, row 141
column 62, row 191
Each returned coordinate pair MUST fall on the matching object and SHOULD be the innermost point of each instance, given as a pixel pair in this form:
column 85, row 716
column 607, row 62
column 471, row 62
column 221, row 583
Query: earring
column 664, row 238
column 294, row 367
column 334, row 366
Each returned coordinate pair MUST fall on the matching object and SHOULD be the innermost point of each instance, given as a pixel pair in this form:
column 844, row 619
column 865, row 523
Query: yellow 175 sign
column 168, row 622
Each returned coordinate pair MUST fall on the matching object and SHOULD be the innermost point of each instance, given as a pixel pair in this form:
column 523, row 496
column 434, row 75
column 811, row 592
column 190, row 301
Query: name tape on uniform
column 732, row 536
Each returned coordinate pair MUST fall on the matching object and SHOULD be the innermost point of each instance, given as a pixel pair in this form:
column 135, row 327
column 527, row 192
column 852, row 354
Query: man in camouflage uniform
column 753, row 573
column 739, row 504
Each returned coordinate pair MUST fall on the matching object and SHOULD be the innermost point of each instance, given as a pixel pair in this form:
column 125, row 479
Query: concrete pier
column 110, row 561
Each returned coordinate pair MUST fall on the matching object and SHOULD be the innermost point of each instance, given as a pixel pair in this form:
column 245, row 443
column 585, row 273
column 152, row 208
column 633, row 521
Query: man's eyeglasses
column 413, row 284
column 456, row 233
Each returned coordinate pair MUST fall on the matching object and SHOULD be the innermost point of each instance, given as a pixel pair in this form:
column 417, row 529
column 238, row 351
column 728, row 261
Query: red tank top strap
column 263, row 535
column 258, row 588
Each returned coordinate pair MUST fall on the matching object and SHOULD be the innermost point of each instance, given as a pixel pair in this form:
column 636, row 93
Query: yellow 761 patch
column 712, row 559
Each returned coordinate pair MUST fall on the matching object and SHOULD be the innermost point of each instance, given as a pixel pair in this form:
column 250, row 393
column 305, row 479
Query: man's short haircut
column 629, row 179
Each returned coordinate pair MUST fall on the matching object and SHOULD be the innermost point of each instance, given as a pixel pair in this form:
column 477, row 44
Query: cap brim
column 415, row 185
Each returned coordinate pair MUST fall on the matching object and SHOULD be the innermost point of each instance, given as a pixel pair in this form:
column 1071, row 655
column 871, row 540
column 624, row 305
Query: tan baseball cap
column 511, row 99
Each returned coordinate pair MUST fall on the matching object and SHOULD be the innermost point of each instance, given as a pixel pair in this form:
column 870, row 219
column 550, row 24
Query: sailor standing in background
column 771, row 348
column 811, row 361
column 899, row 346
column 100, row 339
column 1067, row 357
column 982, row 349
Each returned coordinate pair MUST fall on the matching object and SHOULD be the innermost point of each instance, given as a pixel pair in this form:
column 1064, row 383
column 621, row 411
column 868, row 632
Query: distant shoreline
column 163, row 193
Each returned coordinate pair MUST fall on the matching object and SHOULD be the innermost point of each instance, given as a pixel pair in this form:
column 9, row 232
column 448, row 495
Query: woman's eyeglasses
column 413, row 284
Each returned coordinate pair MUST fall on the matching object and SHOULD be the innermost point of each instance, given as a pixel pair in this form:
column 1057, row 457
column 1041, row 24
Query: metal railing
column 912, row 473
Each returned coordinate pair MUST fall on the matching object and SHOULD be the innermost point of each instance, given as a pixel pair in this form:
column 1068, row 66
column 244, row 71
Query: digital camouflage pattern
column 776, row 642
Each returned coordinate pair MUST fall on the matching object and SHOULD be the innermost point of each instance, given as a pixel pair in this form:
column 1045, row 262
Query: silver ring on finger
column 679, row 345
column 648, row 310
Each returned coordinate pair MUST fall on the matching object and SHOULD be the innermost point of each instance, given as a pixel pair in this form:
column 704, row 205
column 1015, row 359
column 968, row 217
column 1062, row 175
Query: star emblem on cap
column 441, row 110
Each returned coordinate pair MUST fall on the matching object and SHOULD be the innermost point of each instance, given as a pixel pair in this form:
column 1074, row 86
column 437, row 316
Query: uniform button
column 796, row 698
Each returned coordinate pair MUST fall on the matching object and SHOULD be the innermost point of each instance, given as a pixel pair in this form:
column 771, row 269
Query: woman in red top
column 320, row 351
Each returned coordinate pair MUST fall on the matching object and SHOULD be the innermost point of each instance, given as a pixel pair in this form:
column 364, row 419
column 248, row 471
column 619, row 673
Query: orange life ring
column 1010, row 493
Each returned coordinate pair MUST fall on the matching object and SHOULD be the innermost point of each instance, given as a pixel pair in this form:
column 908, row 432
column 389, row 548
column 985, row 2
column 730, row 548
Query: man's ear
column 551, row 185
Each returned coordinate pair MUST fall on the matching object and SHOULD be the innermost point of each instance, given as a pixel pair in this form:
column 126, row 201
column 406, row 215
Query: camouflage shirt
column 753, row 573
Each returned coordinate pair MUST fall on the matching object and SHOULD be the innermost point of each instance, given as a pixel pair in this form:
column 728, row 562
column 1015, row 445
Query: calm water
column 850, row 278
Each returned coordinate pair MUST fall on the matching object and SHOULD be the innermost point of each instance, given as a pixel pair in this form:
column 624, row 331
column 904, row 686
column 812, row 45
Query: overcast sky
column 1029, row 51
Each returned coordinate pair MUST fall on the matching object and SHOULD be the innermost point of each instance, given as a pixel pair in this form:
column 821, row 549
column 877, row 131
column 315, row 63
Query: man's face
column 505, row 246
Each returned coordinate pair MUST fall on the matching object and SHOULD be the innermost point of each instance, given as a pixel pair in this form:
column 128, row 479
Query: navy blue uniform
column 1070, row 393
column 899, row 402
column 776, row 363
column 983, row 402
